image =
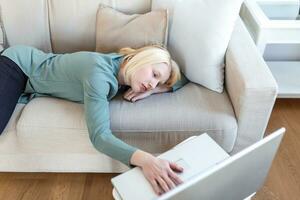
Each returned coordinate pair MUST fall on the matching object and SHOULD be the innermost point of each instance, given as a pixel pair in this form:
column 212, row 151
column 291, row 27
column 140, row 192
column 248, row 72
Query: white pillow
column 199, row 34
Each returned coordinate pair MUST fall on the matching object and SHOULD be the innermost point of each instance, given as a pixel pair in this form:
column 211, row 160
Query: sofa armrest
column 250, row 86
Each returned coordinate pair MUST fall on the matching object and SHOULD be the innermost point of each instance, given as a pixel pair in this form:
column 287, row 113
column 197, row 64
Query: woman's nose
column 153, row 84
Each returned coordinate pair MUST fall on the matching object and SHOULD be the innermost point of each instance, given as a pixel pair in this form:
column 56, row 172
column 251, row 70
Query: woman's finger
column 169, row 181
column 132, row 96
column 174, row 177
column 128, row 92
column 126, row 98
column 155, row 186
column 162, row 183
column 161, row 191
column 140, row 96
column 176, row 167
column 134, row 99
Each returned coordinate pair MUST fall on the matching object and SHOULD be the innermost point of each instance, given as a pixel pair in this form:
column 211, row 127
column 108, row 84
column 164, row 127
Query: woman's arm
column 158, row 172
column 180, row 83
column 97, row 115
column 161, row 89
column 164, row 88
column 132, row 96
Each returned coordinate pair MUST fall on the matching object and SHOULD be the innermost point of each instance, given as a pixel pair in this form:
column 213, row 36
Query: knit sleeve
column 96, row 108
column 180, row 83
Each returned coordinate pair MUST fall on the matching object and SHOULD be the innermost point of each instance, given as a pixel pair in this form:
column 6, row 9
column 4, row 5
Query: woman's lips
column 143, row 87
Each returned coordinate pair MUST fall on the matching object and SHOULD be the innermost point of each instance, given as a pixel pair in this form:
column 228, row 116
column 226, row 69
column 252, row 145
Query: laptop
column 209, row 172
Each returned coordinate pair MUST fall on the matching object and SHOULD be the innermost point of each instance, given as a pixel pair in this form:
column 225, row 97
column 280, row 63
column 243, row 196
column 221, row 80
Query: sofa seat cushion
column 154, row 124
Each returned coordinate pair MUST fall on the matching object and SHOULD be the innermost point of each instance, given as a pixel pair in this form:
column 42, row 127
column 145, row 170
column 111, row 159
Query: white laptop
column 209, row 172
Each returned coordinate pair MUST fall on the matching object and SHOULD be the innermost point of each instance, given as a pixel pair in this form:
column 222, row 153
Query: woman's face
column 149, row 76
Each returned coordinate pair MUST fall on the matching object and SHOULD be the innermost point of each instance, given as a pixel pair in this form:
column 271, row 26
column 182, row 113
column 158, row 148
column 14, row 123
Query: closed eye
column 156, row 76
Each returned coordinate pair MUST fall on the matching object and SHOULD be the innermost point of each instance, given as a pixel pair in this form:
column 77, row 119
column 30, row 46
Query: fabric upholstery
column 25, row 154
column 74, row 28
column 251, row 87
column 153, row 124
column 165, row 4
column 2, row 32
column 26, row 22
column 116, row 29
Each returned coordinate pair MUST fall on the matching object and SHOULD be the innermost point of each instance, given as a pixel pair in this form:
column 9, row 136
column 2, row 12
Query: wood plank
column 283, row 181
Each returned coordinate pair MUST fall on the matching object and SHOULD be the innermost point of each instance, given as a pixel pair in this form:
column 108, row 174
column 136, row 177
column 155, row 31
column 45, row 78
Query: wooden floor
column 282, row 183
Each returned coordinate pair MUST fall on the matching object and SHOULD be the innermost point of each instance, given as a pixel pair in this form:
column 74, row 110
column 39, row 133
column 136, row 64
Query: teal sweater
column 84, row 77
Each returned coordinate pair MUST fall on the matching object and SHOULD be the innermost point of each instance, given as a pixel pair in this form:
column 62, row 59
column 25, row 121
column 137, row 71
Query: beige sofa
column 50, row 134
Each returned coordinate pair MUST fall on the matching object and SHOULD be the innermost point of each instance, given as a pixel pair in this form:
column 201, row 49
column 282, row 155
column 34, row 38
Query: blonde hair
column 151, row 54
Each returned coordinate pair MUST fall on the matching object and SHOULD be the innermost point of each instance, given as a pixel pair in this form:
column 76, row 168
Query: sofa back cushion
column 60, row 26
column 25, row 22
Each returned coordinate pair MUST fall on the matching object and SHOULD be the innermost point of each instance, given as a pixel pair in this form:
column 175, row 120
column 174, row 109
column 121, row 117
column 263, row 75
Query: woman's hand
column 160, row 173
column 132, row 96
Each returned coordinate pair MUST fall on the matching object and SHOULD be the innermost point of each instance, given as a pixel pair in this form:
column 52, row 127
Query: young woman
column 94, row 79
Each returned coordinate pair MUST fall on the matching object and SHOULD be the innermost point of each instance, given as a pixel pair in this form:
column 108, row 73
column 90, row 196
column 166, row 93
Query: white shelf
column 262, row 18
column 287, row 75
column 275, row 28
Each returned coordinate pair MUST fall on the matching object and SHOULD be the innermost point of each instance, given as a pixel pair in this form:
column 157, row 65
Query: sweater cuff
column 127, row 160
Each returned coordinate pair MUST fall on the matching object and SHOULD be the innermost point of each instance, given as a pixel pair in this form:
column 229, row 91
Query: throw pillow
column 116, row 29
column 199, row 36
